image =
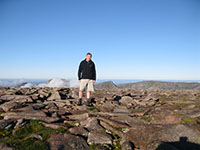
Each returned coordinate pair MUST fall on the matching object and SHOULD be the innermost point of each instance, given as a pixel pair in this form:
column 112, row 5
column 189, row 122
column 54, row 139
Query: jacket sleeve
column 80, row 70
column 94, row 73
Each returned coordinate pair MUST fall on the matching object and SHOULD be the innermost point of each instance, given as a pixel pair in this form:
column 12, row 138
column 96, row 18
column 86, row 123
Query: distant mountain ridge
column 106, row 85
column 151, row 85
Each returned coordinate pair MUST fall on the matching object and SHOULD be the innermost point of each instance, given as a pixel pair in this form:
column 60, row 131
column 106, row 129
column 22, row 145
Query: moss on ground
column 99, row 93
column 189, row 120
column 93, row 147
column 145, row 118
column 98, row 147
column 186, row 119
column 93, row 109
column 184, row 104
column 116, row 141
column 20, row 139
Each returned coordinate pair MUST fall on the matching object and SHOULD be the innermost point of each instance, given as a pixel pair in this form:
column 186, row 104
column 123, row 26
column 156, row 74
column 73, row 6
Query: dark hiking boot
column 88, row 103
column 79, row 102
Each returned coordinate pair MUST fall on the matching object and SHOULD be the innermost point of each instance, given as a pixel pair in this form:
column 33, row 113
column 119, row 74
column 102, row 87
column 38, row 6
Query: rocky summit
column 46, row 118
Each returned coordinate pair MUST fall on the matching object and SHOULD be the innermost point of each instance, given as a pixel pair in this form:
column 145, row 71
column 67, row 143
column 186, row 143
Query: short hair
column 89, row 54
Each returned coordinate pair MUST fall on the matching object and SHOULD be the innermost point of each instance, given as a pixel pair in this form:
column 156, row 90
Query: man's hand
column 94, row 81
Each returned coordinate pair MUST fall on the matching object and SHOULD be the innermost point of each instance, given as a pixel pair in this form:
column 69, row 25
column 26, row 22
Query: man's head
column 88, row 56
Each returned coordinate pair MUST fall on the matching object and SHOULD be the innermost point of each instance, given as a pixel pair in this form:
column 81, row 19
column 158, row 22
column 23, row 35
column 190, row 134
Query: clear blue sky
column 129, row 39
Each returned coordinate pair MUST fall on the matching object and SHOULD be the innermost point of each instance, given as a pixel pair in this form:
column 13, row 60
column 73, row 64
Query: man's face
column 88, row 57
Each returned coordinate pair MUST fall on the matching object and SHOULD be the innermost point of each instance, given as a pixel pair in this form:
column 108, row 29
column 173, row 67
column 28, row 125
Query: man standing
column 86, row 77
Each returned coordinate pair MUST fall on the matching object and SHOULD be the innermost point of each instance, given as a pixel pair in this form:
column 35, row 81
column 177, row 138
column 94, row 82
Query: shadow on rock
column 182, row 144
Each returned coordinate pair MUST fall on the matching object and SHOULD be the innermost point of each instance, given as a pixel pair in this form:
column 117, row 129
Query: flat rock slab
column 174, row 132
column 99, row 138
column 19, row 98
column 78, row 116
column 92, row 124
column 79, row 131
column 108, row 127
column 11, row 105
column 127, row 100
column 114, row 123
column 195, row 114
column 149, row 137
column 142, row 135
column 165, row 118
column 121, row 110
column 28, row 113
column 164, row 115
column 54, row 125
column 126, row 119
column 59, row 141
column 106, row 107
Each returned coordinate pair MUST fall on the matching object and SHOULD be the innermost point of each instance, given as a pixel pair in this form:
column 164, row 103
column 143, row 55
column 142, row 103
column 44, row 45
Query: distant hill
column 106, row 85
column 161, row 85
column 151, row 85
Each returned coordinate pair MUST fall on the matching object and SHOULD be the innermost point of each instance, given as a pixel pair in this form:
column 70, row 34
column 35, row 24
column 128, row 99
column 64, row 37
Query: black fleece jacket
column 87, row 70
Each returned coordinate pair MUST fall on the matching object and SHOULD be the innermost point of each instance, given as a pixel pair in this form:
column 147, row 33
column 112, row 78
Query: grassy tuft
column 20, row 139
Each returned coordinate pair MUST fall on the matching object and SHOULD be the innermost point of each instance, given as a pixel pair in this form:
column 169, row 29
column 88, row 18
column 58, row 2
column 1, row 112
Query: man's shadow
column 182, row 144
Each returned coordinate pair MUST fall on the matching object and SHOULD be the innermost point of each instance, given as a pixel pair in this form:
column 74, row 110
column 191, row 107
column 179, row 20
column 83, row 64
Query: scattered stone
column 54, row 96
column 127, row 101
column 20, row 123
column 43, row 93
column 35, row 136
column 17, row 98
column 92, row 124
column 6, row 124
column 75, row 94
column 141, row 103
column 51, row 105
column 194, row 114
column 191, row 106
column 128, row 146
column 38, row 106
column 107, row 107
column 95, row 137
column 198, row 120
column 174, row 132
column 108, row 127
column 5, row 147
column 139, row 119
column 36, row 97
column 79, row 131
column 1, row 110
column 7, row 106
column 60, row 103
column 128, row 120
column 68, row 103
column 150, row 136
column 114, row 123
column 67, row 142
column 121, row 110
column 69, row 122
column 142, row 135
column 78, row 116
column 28, row 113
column 54, row 125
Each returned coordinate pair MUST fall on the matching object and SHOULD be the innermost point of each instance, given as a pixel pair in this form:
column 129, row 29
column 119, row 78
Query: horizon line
column 97, row 79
